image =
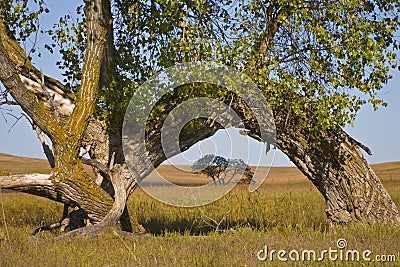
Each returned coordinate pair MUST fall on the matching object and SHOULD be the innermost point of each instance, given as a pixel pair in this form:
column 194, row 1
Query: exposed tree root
column 115, row 213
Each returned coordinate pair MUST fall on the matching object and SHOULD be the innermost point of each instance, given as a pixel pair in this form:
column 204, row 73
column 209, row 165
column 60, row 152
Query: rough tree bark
column 72, row 185
column 334, row 163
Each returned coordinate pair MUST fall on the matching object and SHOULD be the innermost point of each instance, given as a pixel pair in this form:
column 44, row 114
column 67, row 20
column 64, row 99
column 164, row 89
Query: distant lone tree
column 211, row 165
column 223, row 170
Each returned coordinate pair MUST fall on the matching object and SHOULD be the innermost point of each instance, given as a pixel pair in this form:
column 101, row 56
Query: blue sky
column 379, row 130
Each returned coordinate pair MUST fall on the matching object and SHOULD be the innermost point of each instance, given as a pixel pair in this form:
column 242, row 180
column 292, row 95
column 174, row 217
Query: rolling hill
column 277, row 175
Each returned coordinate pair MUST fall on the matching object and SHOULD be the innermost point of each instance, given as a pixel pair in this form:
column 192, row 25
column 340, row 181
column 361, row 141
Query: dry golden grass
column 285, row 213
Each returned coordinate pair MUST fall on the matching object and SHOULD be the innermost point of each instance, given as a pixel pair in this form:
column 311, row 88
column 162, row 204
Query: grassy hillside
column 13, row 164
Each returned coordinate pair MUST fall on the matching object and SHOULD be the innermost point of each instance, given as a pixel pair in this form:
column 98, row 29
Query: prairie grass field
column 285, row 213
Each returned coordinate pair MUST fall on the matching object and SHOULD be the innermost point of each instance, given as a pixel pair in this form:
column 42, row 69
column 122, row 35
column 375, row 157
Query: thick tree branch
column 94, row 163
column 96, row 34
column 108, row 66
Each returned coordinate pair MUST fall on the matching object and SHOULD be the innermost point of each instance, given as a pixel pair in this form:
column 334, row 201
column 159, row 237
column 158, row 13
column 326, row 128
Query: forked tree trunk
column 66, row 128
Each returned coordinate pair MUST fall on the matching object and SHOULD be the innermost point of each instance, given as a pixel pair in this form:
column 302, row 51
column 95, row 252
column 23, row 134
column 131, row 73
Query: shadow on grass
column 159, row 226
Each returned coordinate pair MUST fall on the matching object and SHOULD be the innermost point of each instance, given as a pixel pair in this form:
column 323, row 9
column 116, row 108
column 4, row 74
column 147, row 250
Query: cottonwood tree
column 311, row 59
column 223, row 170
column 211, row 165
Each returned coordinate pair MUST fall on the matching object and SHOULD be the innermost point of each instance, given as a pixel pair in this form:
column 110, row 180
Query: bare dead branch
column 36, row 184
column 362, row 146
column 25, row 180
column 8, row 102
column 16, row 120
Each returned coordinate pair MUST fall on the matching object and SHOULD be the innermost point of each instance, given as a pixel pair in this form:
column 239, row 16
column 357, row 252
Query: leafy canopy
column 336, row 54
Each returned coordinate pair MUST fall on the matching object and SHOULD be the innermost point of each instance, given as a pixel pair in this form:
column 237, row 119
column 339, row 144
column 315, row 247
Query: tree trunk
column 330, row 158
column 333, row 162
column 66, row 129
column 336, row 166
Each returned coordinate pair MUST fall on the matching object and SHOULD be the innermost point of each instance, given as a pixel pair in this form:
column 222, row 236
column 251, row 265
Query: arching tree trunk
column 330, row 158
column 333, row 162
column 335, row 165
